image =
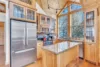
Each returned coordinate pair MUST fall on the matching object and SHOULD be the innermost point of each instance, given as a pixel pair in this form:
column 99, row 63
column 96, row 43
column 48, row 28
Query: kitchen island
column 61, row 54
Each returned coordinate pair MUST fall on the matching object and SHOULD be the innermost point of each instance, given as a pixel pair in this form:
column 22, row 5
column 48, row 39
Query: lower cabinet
column 90, row 52
column 39, row 50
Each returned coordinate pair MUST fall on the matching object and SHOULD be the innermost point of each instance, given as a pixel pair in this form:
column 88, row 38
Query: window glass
column 63, row 21
column 52, row 26
column 65, row 11
column 75, row 7
column 77, row 25
column 90, row 29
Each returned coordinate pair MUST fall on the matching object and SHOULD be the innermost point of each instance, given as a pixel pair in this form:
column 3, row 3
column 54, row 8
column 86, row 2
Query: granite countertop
column 61, row 47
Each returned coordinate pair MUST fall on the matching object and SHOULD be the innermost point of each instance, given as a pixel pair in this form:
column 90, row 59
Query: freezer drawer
column 24, row 57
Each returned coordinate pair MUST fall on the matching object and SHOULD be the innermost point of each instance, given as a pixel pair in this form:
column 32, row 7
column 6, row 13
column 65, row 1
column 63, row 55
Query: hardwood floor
column 73, row 64
column 2, row 56
column 4, row 66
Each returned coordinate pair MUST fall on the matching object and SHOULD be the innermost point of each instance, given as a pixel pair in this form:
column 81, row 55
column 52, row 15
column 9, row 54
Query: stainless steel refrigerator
column 23, row 43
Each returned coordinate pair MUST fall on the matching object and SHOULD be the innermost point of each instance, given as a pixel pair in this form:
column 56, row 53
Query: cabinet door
column 48, row 20
column 43, row 20
column 90, row 53
column 31, row 15
column 17, row 11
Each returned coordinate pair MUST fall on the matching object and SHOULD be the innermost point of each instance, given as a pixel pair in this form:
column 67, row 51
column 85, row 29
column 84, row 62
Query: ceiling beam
column 63, row 8
column 67, row 4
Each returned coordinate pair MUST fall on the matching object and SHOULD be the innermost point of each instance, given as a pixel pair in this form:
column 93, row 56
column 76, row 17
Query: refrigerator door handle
column 24, row 37
column 22, row 51
column 27, row 38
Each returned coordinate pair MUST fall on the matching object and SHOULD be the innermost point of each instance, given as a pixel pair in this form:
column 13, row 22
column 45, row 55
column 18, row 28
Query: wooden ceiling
column 53, row 3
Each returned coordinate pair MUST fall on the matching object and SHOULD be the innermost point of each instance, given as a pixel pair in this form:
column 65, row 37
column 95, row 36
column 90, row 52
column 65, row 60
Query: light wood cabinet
column 39, row 50
column 20, row 12
column 17, row 11
column 62, row 59
column 45, row 23
column 27, row 3
column 30, row 14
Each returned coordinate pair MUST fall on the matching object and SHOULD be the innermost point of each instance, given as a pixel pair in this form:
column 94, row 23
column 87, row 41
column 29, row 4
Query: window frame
column 69, row 19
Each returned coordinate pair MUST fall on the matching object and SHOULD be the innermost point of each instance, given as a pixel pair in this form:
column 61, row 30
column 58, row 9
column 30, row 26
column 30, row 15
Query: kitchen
column 52, row 33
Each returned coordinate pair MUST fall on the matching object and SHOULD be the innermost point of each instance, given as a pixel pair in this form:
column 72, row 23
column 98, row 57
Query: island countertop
column 61, row 47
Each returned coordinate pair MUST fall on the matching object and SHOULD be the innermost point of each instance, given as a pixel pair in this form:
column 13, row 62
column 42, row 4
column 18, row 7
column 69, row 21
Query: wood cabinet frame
column 33, row 6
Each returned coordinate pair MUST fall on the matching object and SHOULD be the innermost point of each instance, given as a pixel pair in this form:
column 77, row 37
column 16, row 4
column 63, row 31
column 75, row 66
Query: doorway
column 2, row 51
column 2, row 23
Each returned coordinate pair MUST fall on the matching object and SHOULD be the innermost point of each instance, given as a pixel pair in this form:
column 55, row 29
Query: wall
column 2, row 17
column 39, row 9
column 7, row 33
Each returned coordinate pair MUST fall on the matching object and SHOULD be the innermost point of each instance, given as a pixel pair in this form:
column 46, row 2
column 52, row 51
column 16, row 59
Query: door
column 17, row 35
column 91, row 36
column 31, row 36
column 17, row 42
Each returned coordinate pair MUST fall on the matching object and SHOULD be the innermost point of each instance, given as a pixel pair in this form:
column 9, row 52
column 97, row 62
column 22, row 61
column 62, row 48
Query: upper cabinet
column 21, row 12
column 31, row 15
column 18, row 11
column 46, row 24
column 27, row 3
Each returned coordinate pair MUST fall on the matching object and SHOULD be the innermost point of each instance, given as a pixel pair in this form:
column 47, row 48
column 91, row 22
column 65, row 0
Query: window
column 90, row 32
column 75, row 7
column 63, row 21
column 65, row 11
column 52, row 26
column 77, row 25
